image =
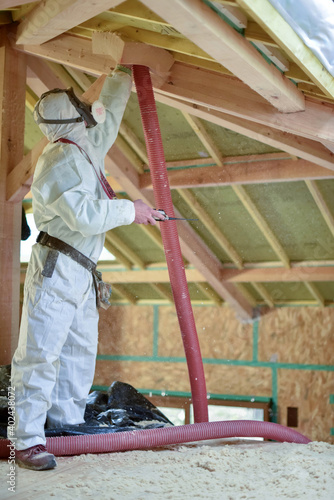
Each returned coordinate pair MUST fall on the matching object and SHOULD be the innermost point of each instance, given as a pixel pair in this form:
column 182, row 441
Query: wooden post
column 12, row 98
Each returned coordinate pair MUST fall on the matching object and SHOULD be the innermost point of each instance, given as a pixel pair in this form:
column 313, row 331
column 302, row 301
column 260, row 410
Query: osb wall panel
column 309, row 391
column 126, row 330
column 297, row 335
column 144, row 375
column 168, row 377
column 220, row 334
column 241, row 380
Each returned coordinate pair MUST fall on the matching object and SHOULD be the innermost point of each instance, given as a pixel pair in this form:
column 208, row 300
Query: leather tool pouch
column 103, row 291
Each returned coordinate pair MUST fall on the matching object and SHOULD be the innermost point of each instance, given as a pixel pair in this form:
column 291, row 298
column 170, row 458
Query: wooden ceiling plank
column 261, row 223
column 50, row 19
column 211, row 226
column 278, row 29
column 205, row 138
column 256, row 172
column 321, row 204
column 271, row 275
column 315, row 293
column 205, row 28
column 261, row 290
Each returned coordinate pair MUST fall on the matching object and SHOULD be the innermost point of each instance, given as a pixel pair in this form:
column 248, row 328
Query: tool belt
column 102, row 289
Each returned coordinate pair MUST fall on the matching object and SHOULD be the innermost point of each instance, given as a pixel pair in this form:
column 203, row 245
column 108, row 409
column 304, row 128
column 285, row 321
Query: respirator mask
column 91, row 114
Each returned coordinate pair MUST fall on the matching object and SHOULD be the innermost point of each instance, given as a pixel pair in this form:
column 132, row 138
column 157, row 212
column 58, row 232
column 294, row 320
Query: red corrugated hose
column 201, row 429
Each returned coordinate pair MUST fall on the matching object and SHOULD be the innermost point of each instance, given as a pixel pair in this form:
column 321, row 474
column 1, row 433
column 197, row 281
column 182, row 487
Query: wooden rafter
column 162, row 291
column 231, row 96
column 205, row 138
column 310, row 150
column 215, row 91
column 192, row 247
column 262, row 224
column 119, row 255
column 321, row 204
column 123, row 292
column 263, row 292
column 208, row 31
column 315, row 293
column 49, row 19
column 125, row 250
column 278, row 29
column 211, row 226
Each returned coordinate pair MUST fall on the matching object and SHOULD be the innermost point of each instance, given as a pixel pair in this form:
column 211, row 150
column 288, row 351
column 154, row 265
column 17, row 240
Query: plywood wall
column 287, row 356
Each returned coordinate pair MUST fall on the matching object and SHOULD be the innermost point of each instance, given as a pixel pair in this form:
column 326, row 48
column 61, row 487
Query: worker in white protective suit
column 54, row 363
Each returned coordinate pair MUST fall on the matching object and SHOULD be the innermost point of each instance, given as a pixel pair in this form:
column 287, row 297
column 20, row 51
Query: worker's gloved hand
column 127, row 68
column 145, row 214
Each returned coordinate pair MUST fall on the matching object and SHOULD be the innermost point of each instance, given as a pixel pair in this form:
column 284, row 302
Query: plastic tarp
column 313, row 21
column 121, row 408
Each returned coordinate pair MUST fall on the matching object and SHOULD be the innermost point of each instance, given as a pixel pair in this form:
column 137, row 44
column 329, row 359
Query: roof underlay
column 246, row 116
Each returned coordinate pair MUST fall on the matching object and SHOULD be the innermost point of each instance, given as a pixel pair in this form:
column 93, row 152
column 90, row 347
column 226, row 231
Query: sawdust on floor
column 223, row 469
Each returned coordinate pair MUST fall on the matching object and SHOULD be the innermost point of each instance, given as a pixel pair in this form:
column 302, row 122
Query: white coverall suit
column 53, row 366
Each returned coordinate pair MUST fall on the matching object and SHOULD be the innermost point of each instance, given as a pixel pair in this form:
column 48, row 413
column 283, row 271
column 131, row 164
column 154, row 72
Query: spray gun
column 162, row 212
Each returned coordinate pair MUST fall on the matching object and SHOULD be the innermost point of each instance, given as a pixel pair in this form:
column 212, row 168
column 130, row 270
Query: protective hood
column 57, row 106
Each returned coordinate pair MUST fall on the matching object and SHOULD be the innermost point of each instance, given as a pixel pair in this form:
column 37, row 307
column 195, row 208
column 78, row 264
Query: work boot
column 36, row 458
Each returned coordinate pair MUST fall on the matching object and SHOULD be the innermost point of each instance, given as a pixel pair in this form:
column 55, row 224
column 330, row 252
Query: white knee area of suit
column 53, row 366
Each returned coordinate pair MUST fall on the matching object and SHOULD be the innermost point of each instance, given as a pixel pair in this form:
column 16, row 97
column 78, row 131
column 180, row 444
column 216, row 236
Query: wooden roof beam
column 197, row 22
column 279, row 275
column 310, row 150
column 212, row 91
column 280, row 31
column 243, row 172
column 150, row 276
column 224, row 94
column 50, row 19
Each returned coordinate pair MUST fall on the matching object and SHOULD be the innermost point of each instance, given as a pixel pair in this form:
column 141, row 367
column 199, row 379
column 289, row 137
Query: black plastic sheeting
column 121, row 408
